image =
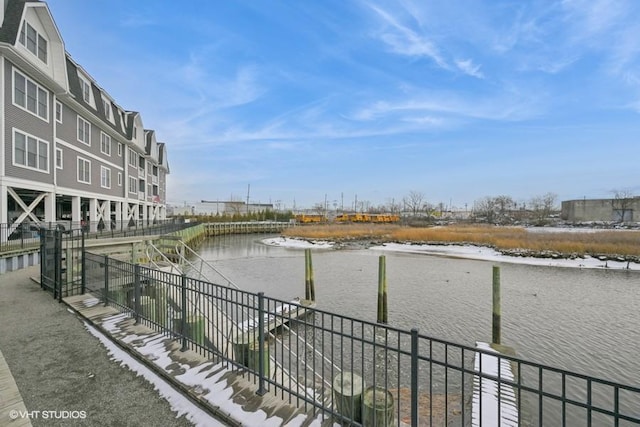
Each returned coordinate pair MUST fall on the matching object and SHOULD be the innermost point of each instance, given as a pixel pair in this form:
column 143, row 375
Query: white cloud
column 468, row 67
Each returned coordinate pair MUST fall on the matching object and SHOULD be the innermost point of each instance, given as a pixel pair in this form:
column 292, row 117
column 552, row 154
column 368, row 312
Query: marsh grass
column 589, row 242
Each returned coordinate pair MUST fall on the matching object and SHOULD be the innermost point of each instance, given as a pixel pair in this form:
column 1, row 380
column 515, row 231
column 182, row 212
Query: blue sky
column 457, row 100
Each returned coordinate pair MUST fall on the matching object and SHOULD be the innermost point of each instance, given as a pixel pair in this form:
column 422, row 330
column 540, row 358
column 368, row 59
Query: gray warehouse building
column 608, row 210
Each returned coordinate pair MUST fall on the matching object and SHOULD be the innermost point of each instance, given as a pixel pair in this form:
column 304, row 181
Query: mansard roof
column 12, row 20
column 98, row 110
column 162, row 156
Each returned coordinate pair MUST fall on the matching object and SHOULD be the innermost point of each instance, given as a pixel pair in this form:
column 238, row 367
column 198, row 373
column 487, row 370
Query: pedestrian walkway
column 59, row 365
column 11, row 404
column 64, row 375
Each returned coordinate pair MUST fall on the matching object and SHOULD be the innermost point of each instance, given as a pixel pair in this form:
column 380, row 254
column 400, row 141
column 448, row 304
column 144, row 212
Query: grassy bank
column 507, row 239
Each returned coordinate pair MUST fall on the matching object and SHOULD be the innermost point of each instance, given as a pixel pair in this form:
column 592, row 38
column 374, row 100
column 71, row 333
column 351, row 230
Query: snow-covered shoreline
column 481, row 253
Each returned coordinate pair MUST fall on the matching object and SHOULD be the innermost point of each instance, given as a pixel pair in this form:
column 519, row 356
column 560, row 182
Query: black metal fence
column 353, row 370
column 61, row 259
column 27, row 235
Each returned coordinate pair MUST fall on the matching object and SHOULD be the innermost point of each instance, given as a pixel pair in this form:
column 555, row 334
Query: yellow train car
column 363, row 217
column 310, row 218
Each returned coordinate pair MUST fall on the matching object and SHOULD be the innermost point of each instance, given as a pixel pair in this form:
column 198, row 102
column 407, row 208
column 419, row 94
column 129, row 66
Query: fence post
column 83, row 265
column 261, row 388
column 136, row 293
column 43, row 250
column 183, row 305
column 58, row 268
column 106, row 280
column 414, row 377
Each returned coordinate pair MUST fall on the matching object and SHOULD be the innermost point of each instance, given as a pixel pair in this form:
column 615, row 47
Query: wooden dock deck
column 493, row 403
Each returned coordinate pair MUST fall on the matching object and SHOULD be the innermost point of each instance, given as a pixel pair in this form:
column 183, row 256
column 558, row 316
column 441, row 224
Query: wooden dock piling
column 383, row 316
column 496, row 327
column 309, row 283
column 307, row 276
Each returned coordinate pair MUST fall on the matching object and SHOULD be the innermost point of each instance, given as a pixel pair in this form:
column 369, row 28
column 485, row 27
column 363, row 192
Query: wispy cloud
column 405, row 41
column 468, row 67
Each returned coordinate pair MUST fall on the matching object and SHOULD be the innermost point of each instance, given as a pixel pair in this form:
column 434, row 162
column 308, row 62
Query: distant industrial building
column 221, row 207
column 618, row 210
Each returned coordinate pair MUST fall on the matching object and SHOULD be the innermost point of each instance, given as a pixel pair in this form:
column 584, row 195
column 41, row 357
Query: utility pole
column 248, row 191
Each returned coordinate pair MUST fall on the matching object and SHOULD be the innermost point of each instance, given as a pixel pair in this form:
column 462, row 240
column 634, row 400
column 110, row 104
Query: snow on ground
column 481, row 253
column 179, row 403
column 493, row 404
column 287, row 242
column 207, row 377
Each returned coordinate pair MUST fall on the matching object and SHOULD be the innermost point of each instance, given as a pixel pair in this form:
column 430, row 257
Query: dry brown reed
column 588, row 242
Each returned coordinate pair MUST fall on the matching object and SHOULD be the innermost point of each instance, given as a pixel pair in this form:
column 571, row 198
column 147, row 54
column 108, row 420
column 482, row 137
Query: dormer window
column 106, row 104
column 33, row 41
column 85, row 88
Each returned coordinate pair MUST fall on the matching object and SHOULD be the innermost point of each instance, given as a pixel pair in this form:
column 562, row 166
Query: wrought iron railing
column 352, row 370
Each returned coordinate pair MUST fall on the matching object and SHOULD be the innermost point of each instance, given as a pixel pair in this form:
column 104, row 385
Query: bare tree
column 393, row 206
column 485, row 209
column 494, row 210
column 414, row 202
column 542, row 207
column 505, row 205
column 621, row 204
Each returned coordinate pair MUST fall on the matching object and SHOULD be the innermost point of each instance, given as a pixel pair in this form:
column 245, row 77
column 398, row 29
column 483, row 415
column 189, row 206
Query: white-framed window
column 119, row 149
column 30, row 152
column 30, row 96
column 133, row 158
column 119, row 179
column 105, row 144
column 133, row 185
column 123, row 121
column 84, row 170
column 33, row 41
column 105, row 177
column 58, row 112
column 84, row 131
column 85, row 88
column 135, row 132
column 108, row 111
column 58, row 158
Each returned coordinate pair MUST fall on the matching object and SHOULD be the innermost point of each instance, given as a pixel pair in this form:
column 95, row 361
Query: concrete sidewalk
column 59, row 366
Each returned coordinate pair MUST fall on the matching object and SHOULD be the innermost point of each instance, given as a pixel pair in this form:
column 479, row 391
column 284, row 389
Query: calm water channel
column 587, row 321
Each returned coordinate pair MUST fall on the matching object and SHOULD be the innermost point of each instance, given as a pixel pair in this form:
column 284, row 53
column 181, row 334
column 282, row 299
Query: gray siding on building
column 67, row 130
column 28, row 123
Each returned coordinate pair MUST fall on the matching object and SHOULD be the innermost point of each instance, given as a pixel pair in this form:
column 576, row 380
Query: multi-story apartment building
column 68, row 151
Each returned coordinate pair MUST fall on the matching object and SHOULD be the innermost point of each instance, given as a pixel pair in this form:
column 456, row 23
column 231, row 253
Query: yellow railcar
column 310, row 218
